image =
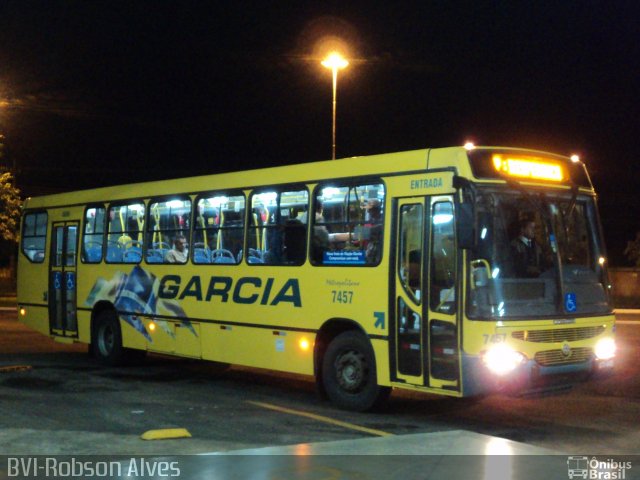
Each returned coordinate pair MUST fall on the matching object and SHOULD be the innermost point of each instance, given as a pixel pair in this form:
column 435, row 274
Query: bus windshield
column 539, row 254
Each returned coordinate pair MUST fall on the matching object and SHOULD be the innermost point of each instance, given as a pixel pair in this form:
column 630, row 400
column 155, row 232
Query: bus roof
column 372, row 165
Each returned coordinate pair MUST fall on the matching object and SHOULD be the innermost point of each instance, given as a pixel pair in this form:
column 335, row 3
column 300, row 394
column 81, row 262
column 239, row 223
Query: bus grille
column 556, row 357
column 560, row 335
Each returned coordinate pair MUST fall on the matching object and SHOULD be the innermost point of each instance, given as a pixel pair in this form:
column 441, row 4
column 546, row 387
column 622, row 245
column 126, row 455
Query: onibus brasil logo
column 592, row 468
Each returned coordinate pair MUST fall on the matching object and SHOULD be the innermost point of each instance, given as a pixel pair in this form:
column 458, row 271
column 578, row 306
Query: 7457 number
column 342, row 296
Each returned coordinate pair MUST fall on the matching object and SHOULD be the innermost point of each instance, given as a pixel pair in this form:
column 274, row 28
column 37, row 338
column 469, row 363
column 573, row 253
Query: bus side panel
column 258, row 347
column 33, row 288
column 381, row 351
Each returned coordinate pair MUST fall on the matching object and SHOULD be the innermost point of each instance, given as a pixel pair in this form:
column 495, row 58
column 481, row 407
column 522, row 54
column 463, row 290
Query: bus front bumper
column 528, row 377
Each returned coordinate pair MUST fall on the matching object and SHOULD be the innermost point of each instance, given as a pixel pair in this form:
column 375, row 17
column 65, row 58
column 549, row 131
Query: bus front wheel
column 106, row 342
column 349, row 374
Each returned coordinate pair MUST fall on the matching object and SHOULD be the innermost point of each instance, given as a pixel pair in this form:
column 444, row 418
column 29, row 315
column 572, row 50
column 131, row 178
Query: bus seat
column 93, row 254
column 255, row 253
column 201, row 255
column 133, row 255
column 255, row 256
column 155, row 256
column 114, row 253
column 222, row 256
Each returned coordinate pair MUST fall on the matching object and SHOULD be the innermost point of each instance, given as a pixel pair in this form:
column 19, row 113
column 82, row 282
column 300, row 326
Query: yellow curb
column 165, row 433
column 15, row 368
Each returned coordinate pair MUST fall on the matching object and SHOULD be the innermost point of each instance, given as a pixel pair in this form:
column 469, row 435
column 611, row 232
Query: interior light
column 175, row 203
column 330, row 192
column 136, row 207
column 441, row 218
column 268, row 197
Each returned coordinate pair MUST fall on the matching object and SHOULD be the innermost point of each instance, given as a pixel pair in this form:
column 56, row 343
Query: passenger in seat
column 178, row 254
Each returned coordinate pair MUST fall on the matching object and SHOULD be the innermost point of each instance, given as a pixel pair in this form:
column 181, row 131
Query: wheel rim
column 106, row 340
column 352, row 371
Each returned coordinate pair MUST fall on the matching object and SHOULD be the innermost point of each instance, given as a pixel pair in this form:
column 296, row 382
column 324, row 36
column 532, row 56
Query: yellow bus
column 403, row 270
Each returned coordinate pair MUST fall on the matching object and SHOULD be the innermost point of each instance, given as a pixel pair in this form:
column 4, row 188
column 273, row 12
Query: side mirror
column 466, row 224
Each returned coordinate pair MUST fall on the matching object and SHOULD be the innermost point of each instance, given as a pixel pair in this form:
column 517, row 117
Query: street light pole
column 335, row 62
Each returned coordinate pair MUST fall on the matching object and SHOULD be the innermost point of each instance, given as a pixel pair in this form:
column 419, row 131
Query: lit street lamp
column 335, row 62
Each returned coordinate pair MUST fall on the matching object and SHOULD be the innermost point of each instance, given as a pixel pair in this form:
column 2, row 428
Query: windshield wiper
column 538, row 203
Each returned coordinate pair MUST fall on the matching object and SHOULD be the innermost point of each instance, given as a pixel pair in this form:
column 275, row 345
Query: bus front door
column 424, row 321
column 63, row 280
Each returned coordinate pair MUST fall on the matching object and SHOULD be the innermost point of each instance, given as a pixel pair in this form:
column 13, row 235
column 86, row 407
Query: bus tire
column 106, row 341
column 349, row 374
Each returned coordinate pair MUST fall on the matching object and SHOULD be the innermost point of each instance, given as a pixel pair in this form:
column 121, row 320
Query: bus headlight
column 501, row 359
column 605, row 349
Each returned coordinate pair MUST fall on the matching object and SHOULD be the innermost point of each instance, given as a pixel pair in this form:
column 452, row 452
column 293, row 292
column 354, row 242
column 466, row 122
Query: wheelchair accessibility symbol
column 57, row 280
column 70, row 281
column 570, row 303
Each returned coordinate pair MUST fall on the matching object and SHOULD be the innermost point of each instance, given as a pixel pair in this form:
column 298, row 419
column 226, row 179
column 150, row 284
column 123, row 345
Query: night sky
column 99, row 93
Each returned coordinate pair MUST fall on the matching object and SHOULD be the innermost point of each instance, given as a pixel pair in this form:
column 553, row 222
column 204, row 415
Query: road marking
column 321, row 418
column 15, row 368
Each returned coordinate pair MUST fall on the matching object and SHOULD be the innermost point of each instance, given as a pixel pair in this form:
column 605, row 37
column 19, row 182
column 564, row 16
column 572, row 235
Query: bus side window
column 410, row 258
column 218, row 232
column 125, row 232
column 348, row 225
column 169, row 221
column 443, row 268
column 278, row 226
column 34, row 236
column 93, row 236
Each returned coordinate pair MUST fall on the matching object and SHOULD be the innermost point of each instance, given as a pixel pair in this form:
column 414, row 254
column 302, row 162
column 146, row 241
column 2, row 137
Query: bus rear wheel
column 349, row 374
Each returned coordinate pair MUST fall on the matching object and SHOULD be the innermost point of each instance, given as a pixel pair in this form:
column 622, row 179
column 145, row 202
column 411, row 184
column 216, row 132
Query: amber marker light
column 304, row 344
column 23, row 311
column 575, row 158
column 469, row 146
column 152, row 326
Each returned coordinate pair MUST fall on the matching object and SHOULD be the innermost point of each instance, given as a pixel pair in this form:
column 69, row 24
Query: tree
column 632, row 252
column 9, row 208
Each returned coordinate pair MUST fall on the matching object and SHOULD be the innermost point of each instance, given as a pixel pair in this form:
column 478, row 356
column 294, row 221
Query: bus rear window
column 34, row 236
